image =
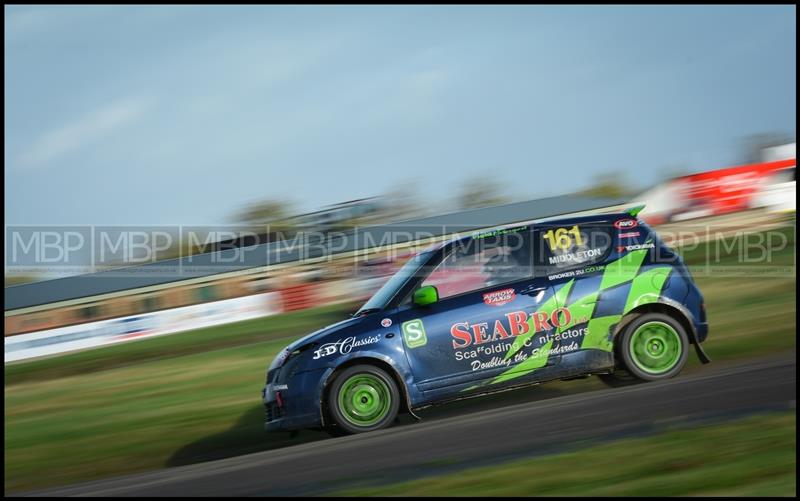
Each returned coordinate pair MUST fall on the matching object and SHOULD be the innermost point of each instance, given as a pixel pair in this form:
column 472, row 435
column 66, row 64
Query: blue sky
column 181, row 115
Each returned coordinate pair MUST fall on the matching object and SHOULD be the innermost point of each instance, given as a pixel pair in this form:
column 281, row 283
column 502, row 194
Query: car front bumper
column 294, row 403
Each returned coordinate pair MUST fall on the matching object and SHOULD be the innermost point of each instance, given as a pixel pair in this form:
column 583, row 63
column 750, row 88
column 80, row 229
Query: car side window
column 484, row 261
column 561, row 247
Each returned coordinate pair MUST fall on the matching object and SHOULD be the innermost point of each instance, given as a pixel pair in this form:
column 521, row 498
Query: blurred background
column 260, row 128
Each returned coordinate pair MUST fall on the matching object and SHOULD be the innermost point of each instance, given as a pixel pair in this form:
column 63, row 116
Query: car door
column 487, row 294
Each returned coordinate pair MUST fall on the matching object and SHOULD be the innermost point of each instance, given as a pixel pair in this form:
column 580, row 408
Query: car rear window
column 560, row 247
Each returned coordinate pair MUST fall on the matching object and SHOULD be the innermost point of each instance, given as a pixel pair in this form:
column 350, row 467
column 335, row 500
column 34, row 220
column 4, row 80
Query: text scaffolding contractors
column 543, row 339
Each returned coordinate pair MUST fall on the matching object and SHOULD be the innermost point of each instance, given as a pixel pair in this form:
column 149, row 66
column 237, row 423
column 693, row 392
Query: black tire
column 370, row 401
column 620, row 377
column 668, row 356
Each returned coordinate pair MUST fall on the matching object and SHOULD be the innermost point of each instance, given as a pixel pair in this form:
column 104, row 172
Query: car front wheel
column 362, row 398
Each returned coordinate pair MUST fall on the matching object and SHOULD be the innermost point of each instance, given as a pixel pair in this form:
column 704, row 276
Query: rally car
column 550, row 299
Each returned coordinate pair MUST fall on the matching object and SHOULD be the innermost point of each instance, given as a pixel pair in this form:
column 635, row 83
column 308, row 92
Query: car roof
column 562, row 219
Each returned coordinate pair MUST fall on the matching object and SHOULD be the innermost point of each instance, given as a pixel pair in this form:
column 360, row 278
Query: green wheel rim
column 655, row 347
column 364, row 399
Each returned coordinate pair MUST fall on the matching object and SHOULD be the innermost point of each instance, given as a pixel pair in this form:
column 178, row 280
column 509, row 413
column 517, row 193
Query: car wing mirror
column 426, row 295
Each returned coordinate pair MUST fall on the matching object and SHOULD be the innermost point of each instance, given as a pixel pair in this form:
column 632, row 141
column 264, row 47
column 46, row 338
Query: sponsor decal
column 558, row 350
column 648, row 245
column 280, row 387
column 414, row 333
column 562, row 336
column 563, row 238
column 494, row 233
column 386, row 322
column 499, row 298
column 512, row 324
column 595, row 334
column 629, row 234
column 576, row 257
column 344, row 346
column 498, row 360
column 626, row 224
column 575, row 273
column 477, row 365
column 489, row 349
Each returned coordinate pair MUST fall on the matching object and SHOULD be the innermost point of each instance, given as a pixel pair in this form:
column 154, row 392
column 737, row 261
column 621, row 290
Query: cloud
column 84, row 131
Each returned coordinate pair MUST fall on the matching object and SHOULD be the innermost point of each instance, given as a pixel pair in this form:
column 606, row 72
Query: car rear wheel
column 654, row 346
column 362, row 398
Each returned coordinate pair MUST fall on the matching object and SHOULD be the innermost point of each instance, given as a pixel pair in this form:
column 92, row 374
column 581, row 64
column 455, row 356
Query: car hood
column 324, row 332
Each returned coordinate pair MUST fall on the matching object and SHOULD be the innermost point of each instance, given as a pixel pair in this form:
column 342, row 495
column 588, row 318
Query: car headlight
column 279, row 360
column 284, row 356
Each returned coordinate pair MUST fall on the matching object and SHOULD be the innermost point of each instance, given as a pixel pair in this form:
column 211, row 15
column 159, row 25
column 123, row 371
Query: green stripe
column 581, row 311
column 597, row 333
column 527, row 366
column 646, row 288
column 623, row 269
column 548, row 307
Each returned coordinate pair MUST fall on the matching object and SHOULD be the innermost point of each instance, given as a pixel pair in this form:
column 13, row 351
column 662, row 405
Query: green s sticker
column 414, row 333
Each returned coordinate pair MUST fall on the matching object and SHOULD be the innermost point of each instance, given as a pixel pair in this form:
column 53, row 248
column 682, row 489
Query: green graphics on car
column 644, row 288
column 414, row 333
column 558, row 298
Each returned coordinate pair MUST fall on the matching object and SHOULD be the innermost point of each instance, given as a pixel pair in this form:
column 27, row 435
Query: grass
column 138, row 417
column 149, row 403
column 195, row 396
column 748, row 314
column 285, row 326
column 750, row 457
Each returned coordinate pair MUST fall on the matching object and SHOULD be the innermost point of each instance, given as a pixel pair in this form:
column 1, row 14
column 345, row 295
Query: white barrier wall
column 778, row 197
column 157, row 323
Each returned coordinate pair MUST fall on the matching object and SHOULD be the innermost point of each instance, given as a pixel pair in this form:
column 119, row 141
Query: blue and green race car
column 549, row 299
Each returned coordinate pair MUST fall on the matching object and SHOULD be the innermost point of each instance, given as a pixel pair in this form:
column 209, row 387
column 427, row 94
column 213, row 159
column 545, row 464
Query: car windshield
column 381, row 298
